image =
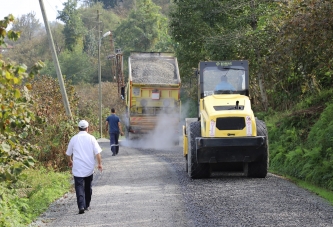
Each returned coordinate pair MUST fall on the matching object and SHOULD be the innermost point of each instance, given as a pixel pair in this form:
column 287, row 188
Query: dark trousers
column 114, row 142
column 83, row 189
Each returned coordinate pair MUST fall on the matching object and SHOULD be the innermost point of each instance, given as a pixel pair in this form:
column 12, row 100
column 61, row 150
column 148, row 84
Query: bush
column 16, row 118
column 56, row 127
column 301, row 143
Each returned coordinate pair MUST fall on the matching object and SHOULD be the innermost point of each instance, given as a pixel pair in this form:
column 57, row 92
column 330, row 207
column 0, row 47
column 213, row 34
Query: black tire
column 186, row 164
column 176, row 142
column 259, row 169
column 195, row 170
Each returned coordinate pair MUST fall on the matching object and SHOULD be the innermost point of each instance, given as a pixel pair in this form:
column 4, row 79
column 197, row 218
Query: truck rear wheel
column 186, row 164
column 259, row 169
column 195, row 170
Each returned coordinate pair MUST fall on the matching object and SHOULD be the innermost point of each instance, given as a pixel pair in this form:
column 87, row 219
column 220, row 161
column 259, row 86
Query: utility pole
column 99, row 71
column 116, row 58
column 119, row 70
column 56, row 62
column 99, row 75
column 112, row 57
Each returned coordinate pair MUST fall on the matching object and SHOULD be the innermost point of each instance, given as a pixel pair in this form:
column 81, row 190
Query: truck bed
column 153, row 68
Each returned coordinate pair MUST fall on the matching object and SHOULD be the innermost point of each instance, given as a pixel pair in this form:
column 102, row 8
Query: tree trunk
column 254, row 24
column 262, row 91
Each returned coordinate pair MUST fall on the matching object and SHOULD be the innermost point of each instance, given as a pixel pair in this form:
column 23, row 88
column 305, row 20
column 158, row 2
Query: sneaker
column 86, row 209
column 81, row 211
column 113, row 155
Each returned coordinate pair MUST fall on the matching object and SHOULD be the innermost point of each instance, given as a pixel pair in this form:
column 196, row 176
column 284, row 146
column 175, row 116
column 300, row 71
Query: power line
column 54, row 9
column 51, row 6
column 60, row 2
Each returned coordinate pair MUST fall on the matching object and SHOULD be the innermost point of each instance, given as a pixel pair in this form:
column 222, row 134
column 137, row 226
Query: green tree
column 58, row 37
column 33, row 44
column 74, row 29
column 222, row 30
column 109, row 22
column 126, row 4
column 108, row 3
column 29, row 52
column 141, row 30
column 29, row 27
column 76, row 66
column 300, row 61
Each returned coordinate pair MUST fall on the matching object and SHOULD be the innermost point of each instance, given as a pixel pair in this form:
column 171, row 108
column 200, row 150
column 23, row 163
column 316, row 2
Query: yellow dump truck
column 152, row 94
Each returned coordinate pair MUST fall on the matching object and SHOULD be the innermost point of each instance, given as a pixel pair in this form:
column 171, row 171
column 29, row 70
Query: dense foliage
column 141, row 31
column 301, row 141
column 279, row 39
column 73, row 29
column 16, row 115
column 220, row 30
column 126, row 4
column 57, row 128
column 301, row 60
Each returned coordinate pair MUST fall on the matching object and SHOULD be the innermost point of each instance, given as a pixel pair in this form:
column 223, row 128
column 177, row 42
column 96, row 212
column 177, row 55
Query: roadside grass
column 32, row 195
column 301, row 144
column 322, row 192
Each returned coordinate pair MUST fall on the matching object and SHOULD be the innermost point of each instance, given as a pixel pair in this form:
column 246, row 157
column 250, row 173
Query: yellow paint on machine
column 185, row 141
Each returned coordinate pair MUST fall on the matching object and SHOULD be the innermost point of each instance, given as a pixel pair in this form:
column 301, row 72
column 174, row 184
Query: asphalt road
column 148, row 187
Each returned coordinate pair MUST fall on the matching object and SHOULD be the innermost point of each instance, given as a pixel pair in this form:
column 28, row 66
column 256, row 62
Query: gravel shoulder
column 146, row 187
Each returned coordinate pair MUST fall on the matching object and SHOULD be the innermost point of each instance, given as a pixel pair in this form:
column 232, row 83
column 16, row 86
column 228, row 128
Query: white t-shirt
column 84, row 147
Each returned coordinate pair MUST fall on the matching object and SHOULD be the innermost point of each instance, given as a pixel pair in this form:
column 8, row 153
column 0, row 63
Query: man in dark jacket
column 114, row 127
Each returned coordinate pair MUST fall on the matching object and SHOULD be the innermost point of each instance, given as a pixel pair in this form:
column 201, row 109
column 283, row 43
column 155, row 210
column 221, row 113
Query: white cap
column 83, row 124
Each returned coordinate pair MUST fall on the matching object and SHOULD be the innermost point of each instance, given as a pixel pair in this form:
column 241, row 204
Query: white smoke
column 166, row 134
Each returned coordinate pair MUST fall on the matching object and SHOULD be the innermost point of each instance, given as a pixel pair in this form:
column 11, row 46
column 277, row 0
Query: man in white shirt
column 83, row 147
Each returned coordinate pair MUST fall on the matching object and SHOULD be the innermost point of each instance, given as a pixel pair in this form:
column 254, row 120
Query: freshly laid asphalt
column 149, row 187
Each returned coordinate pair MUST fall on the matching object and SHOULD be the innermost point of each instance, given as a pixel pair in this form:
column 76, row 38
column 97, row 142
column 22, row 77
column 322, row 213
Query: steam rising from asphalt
column 165, row 134
column 161, row 138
